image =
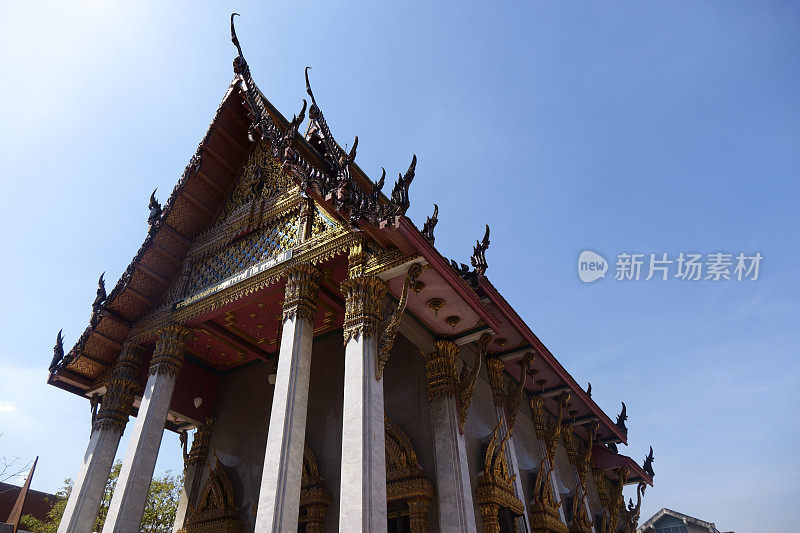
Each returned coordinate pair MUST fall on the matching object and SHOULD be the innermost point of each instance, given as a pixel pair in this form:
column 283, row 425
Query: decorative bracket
column 515, row 397
column 467, row 380
column 386, row 340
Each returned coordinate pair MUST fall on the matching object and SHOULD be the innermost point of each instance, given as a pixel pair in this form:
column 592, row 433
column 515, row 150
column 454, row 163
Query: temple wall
column 595, row 506
column 239, row 436
column 324, row 422
column 527, row 449
column 566, row 478
column 406, row 404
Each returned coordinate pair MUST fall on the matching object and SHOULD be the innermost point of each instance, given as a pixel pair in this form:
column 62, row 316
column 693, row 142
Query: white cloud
column 8, row 407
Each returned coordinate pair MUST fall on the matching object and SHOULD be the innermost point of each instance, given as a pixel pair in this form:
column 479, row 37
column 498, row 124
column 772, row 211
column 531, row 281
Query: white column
column 107, row 428
column 84, row 500
column 130, row 494
column 453, row 487
column 362, row 494
column 279, row 496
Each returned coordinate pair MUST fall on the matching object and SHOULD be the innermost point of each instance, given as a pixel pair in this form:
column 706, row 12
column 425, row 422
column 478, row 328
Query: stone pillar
column 362, row 494
column 130, row 495
column 279, row 496
column 192, row 472
column 453, row 488
column 497, row 381
column 107, row 428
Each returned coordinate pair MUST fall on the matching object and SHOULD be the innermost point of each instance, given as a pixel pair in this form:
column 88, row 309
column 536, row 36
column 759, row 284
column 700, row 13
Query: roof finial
column 648, row 463
column 430, row 224
column 400, row 191
column 589, row 390
column 239, row 64
column 308, row 88
column 155, row 209
column 58, row 352
column 479, row 254
column 101, row 294
column 621, row 418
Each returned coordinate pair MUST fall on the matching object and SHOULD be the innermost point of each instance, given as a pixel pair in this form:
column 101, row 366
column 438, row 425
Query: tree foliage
column 159, row 510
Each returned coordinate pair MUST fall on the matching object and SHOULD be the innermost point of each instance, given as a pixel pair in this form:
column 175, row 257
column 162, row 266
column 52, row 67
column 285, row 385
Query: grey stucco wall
column 239, row 435
column 405, row 402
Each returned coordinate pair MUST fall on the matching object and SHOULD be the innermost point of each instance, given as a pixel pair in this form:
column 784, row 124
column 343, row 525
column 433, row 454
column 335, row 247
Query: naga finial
column 314, row 111
column 648, row 463
column 400, row 191
column 379, row 184
column 430, row 224
column 239, row 64
column 621, row 418
column 101, row 294
column 155, row 208
column 589, row 390
column 58, row 352
column 352, row 155
column 479, row 254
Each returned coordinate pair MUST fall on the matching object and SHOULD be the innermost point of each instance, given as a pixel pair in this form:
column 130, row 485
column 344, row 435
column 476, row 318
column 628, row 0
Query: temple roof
column 324, row 172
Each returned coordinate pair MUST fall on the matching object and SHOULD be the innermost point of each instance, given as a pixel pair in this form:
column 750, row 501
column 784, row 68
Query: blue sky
column 625, row 127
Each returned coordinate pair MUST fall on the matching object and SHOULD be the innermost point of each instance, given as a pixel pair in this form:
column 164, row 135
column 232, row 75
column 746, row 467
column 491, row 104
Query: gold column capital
column 121, row 386
column 496, row 380
column 168, row 353
column 302, row 286
column 363, row 299
column 441, row 369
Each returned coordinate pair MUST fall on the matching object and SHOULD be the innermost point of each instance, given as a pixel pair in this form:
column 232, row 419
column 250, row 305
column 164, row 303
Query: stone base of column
column 90, row 483
column 130, row 495
column 362, row 496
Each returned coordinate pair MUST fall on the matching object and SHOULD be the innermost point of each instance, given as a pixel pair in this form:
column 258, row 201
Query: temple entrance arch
column 216, row 511
column 408, row 490
column 314, row 499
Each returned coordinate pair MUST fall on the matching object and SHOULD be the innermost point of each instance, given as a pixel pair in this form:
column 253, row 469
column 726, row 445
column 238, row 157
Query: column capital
column 168, row 353
column 121, row 386
column 302, row 286
column 496, row 379
column 441, row 369
column 363, row 299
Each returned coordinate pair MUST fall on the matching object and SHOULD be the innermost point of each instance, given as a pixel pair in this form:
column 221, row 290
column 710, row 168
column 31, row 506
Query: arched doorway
column 408, row 490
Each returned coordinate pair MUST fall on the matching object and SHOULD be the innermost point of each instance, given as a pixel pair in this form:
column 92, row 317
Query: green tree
column 159, row 511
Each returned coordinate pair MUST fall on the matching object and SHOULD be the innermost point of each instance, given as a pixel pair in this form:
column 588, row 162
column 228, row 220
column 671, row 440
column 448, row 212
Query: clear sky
column 647, row 127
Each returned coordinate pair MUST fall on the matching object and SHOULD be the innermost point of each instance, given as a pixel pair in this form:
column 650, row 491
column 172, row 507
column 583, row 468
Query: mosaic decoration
column 268, row 242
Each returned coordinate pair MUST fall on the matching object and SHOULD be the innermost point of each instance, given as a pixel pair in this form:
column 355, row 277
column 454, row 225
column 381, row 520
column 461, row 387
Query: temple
column 326, row 368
